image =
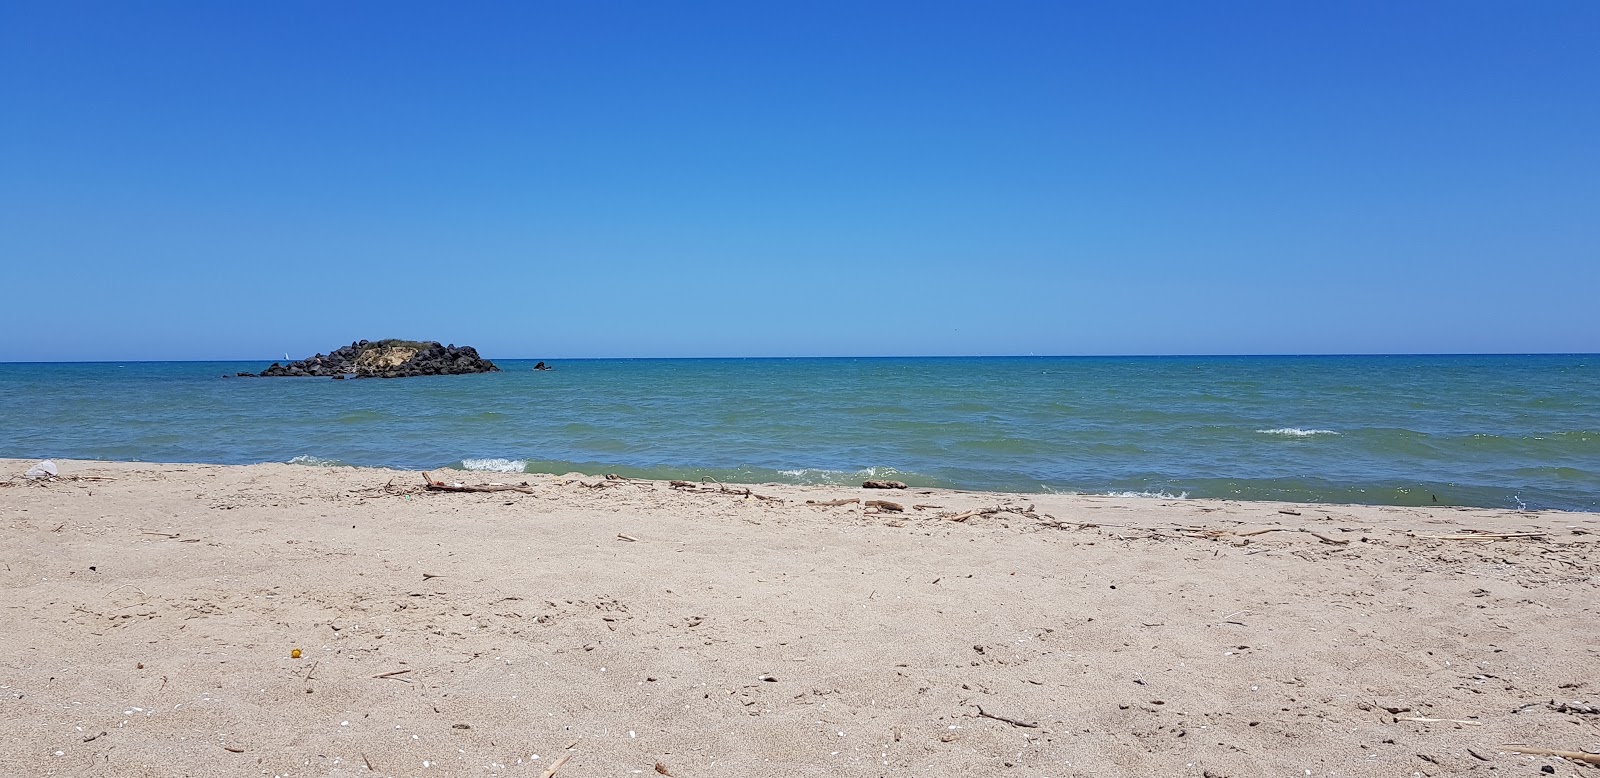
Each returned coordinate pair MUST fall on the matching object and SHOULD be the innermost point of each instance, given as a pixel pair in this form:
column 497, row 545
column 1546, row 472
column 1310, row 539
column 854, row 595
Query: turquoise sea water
column 1500, row 431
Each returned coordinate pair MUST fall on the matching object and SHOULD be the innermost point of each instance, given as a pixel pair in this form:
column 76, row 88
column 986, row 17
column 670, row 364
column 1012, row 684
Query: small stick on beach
column 392, row 674
column 550, row 773
column 1012, row 722
column 629, row 538
column 1426, row 720
column 833, row 503
column 1576, row 756
column 1486, row 536
column 886, row 506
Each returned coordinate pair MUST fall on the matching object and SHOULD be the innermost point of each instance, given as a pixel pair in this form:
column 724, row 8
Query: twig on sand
column 368, row 761
column 1426, row 720
column 1012, row 722
column 833, row 503
column 1485, row 536
column 1312, row 533
column 440, row 486
column 233, row 750
column 885, row 506
column 629, row 538
column 391, row 674
column 127, row 586
column 550, row 773
column 1576, row 756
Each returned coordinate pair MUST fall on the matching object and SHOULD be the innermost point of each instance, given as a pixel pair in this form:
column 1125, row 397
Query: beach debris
column 1474, row 535
column 294, row 653
column 1426, row 720
column 721, row 488
column 364, row 758
column 883, row 484
column 1027, row 512
column 834, row 503
column 885, row 506
column 43, row 470
column 1006, row 719
column 629, row 538
column 394, row 675
column 1218, row 534
column 440, row 486
column 1576, row 756
column 233, row 750
column 550, row 773
column 1289, row 511
column 662, row 769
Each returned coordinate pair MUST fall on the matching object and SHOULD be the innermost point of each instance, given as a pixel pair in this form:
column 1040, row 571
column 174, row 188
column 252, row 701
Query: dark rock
column 388, row 359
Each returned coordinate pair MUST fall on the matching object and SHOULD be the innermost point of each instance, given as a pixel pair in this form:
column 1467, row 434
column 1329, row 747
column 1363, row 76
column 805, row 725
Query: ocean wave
column 822, row 477
column 1296, row 432
column 495, row 465
column 311, row 461
column 1160, row 494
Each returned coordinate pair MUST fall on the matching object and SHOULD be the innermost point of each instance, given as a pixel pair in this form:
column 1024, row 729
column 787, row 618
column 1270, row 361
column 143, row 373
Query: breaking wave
column 495, row 465
column 1296, row 432
column 311, row 461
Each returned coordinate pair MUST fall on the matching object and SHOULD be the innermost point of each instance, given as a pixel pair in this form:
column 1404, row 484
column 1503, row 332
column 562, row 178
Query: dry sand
column 149, row 618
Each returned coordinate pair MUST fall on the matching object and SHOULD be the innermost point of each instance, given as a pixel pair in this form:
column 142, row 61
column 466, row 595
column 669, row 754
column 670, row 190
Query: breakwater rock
column 384, row 359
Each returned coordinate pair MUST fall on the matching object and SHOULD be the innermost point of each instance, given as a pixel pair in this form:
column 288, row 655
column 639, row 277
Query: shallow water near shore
column 1490, row 431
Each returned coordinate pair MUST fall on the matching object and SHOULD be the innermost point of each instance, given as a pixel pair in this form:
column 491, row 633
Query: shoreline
column 153, row 610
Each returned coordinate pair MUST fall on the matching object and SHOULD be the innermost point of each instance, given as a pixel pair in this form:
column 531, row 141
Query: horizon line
column 881, row 356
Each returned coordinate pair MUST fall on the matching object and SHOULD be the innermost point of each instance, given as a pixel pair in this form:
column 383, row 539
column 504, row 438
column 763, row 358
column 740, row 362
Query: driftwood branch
column 721, row 488
column 440, row 486
column 885, row 506
column 833, row 503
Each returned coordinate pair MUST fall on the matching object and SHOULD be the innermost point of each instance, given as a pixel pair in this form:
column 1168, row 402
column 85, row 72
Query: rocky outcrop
column 384, row 359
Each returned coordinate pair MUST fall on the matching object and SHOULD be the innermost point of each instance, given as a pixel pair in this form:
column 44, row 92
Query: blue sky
column 597, row 179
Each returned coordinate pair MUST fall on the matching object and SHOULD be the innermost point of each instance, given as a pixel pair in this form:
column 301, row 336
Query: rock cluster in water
column 384, row 359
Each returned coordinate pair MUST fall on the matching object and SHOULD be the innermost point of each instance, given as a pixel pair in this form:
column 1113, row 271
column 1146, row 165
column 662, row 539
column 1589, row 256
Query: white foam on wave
column 311, row 461
column 1296, row 432
column 1160, row 495
column 816, row 475
column 495, row 465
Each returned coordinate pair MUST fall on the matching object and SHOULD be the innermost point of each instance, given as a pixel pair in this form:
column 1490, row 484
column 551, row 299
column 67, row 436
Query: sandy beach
column 632, row 628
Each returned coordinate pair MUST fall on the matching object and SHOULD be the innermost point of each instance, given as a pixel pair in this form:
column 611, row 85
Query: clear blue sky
column 570, row 179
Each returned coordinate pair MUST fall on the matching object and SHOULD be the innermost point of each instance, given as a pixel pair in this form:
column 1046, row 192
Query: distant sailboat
column 285, row 356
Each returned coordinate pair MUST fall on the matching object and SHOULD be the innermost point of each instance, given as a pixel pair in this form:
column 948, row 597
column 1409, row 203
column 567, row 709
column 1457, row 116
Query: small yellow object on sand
column 295, row 654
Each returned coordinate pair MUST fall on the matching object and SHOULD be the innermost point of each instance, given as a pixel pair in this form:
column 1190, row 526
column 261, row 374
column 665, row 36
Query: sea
column 1517, row 432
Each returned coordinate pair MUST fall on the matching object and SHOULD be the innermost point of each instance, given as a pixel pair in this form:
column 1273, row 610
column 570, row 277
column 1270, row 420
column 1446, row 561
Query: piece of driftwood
column 1576, row 756
column 440, row 486
column 883, row 485
column 721, row 488
column 629, row 538
column 833, row 503
column 886, row 506
column 964, row 515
